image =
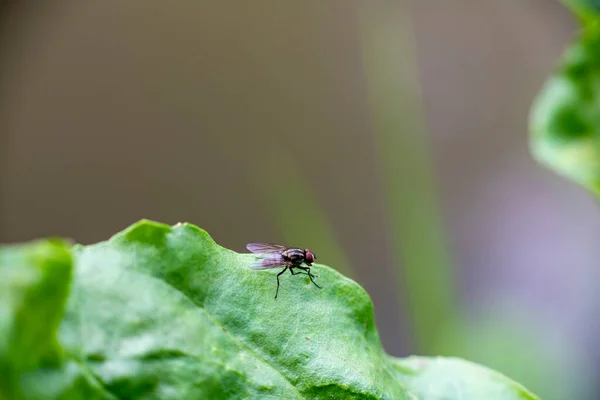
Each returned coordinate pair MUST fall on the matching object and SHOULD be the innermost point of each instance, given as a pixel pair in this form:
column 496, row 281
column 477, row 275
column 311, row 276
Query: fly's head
column 309, row 257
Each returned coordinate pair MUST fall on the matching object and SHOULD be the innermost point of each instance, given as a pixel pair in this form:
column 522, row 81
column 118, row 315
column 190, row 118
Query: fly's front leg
column 311, row 276
column 301, row 273
column 311, row 279
column 307, row 272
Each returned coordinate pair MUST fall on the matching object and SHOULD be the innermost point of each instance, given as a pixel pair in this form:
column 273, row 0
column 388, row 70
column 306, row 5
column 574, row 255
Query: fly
column 276, row 255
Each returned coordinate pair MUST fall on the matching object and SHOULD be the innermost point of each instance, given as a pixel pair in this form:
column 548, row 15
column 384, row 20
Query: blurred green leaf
column 33, row 290
column 440, row 378
column 507, row 338
column 34, row 285
column 161, row 312
column 584, row 9
column 565, row 119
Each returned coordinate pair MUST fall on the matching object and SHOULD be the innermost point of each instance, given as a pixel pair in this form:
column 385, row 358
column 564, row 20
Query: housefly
column 275, row 255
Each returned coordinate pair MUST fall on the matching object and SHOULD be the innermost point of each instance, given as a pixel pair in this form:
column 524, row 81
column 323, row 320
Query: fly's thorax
column 296, row 256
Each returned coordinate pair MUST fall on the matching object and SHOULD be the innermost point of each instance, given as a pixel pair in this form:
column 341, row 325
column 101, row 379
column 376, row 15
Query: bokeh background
column 388, row 136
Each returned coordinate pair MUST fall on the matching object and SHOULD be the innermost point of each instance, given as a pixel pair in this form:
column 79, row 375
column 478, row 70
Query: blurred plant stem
column 414, row 221
column 290, row 204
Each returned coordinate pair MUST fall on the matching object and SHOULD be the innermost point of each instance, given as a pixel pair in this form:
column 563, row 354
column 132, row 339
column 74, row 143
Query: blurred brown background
column 259, row 121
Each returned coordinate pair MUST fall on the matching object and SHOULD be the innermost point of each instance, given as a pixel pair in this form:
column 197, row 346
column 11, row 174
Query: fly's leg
column 311, row 276
column 311, row 279
column 282, row 271
column 303, row 273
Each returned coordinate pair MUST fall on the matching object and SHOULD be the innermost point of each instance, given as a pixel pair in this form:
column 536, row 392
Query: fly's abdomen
column 296, row 256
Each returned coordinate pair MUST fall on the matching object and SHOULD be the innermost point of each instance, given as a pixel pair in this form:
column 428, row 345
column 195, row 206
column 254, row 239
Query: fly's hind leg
column 282, row 271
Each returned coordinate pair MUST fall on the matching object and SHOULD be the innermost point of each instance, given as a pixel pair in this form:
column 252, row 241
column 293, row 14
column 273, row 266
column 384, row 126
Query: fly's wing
column 267, row 261
column 265, row 248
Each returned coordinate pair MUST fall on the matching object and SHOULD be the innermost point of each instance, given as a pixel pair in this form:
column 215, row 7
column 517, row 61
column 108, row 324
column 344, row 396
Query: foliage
column 160, row 312
column 565, row 119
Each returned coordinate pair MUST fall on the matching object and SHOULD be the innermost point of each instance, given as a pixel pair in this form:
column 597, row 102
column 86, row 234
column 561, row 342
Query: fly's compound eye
column 309, row 256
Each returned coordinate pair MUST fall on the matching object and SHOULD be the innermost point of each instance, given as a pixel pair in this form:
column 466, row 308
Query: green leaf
column 34, row 285
column 161, row 312
column 565, row 119
column 586, row 10
column 33, row 290
column 452, row 378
